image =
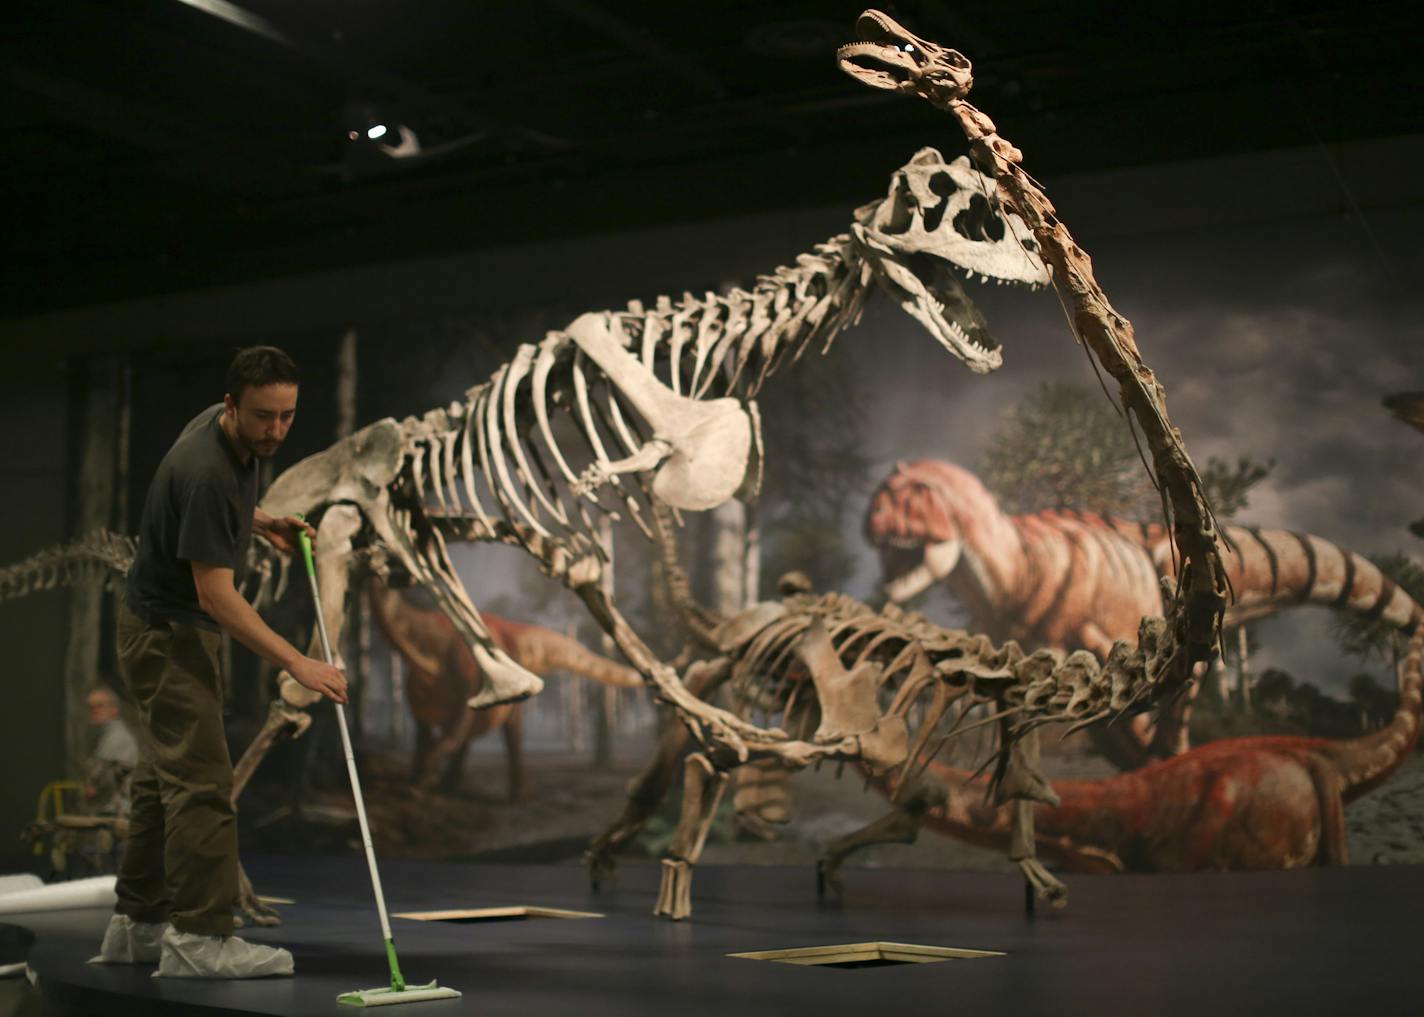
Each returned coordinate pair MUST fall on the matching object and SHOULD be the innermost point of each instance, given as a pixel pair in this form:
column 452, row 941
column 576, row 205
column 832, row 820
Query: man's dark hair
column 256, row 366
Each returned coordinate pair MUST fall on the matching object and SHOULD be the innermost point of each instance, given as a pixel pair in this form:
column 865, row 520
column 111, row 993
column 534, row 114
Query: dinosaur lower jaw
column 939, row 561
column 910, row 585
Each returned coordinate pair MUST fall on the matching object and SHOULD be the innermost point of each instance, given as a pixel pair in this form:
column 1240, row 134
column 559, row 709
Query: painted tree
column 1065, row 446
column 815, row 432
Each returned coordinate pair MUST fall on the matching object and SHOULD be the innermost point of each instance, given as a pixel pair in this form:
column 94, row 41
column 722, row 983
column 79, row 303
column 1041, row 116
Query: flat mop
column 399, row 991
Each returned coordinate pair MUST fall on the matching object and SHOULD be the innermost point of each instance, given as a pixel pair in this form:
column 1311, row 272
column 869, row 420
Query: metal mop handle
column 397, row 981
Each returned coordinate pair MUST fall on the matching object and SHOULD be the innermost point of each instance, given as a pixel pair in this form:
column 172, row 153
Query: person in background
column 113, row 758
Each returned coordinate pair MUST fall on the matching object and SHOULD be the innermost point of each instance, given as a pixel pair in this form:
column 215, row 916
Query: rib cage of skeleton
column 651, row 402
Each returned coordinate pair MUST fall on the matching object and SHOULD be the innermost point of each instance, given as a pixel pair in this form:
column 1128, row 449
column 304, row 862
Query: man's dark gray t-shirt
column 199, row 508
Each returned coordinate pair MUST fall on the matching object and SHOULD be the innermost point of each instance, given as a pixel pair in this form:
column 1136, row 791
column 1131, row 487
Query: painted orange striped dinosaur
column 443, row 676
column 1078, row 580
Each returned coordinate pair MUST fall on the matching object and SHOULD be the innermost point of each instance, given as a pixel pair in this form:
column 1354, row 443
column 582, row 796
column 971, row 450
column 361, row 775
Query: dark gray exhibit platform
column 1319, row 941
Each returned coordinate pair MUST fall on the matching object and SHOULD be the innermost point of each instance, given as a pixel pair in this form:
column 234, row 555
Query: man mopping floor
column 178, row 879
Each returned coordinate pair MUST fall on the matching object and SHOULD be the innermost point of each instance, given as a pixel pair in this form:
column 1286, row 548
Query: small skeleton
column 891, row 690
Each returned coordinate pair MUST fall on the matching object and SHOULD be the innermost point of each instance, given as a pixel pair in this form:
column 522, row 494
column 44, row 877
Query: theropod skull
column 893, row 58
column 938, row 217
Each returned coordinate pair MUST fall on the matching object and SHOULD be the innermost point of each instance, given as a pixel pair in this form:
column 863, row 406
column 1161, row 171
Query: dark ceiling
column 158, row 145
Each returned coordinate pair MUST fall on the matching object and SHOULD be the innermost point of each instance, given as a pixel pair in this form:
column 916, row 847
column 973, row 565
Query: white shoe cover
column 129, row 942
column 189, row 955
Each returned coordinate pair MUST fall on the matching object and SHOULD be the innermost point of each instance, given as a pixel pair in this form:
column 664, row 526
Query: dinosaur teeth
column 910, row 585
column 903, row 543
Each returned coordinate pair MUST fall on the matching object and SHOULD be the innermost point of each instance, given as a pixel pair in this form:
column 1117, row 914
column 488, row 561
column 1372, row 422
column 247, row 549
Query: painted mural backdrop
column 1278, row 341
column 1014, row 503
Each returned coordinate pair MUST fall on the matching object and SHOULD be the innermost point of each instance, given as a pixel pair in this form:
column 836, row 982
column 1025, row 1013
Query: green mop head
column 387, row 996
column 398, row 991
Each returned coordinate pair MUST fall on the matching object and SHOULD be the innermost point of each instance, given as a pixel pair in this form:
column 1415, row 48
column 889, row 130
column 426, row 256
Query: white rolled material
column 22, row 881
column 96, row 892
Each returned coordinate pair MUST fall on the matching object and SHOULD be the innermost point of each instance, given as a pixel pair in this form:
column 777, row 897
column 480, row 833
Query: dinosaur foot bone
column 675, row 891
column 602, row 867
column 252, row 909
column 829, row 878
column 505, row 681
column 1044, row 883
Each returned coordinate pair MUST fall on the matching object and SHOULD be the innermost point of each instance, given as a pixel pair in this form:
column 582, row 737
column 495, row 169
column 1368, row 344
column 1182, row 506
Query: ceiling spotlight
column 376, row 131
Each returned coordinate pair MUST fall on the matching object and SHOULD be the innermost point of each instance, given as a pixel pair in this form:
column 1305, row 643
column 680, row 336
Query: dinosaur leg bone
column 900, row 826
column 702, row 787
column 1021, row 779
column 251, row 906
column 333, row 556
column 707, row 445
column 282, row 720
column 1024, row 850
column 1022, row 785
column 333, row 565
column 647, row 791
column 285, row 715
column 421, row 549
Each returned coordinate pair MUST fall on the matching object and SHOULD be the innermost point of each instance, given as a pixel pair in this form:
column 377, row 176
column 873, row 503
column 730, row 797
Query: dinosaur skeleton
column 98, row 557
column 408, row 487
column 893, row 689
column 831, row 664
column 528, row 457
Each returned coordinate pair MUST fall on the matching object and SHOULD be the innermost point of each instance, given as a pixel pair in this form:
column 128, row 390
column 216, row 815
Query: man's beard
column 262, row 449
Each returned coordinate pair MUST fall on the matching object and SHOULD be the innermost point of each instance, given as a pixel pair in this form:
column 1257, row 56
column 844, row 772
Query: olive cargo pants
column 180, row 863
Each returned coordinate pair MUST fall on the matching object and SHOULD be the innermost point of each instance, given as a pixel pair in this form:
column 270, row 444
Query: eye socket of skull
column 979, row 221
column 942, row 186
